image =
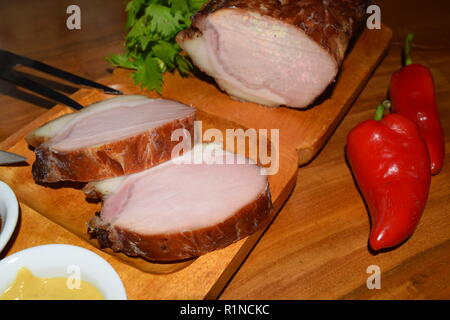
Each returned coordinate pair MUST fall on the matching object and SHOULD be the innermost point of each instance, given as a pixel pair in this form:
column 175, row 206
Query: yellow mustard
column 29, row 287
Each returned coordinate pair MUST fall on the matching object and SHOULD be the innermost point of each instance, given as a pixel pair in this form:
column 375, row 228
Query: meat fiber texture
column 111, row 138
column 273, row 52
column 202, row 201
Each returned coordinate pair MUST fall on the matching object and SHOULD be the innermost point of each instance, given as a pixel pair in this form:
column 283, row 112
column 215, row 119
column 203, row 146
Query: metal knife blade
column 10, row 158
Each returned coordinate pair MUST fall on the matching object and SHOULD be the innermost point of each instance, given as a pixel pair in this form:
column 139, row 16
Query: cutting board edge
column 308, row 153
column 242, row 250
column 248, row 246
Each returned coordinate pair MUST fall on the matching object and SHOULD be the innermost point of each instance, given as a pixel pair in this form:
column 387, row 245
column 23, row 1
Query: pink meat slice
column 257, row 59
column 183, row 197
column 118, row 123
column 114, row 137
column 190, row 199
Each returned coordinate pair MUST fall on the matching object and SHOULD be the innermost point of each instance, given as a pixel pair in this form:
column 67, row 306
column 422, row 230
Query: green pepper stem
column 408, row 45
column 379, row 113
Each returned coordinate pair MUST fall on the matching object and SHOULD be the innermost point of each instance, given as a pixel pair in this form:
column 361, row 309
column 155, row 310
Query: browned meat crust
column 331, row 23
column 122, row 157
column 180, row 246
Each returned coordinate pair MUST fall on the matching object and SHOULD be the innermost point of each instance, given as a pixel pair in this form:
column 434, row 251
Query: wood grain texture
column 325, row 256
column 317, row 246
column 192, row 282
column 38, row 30
column 65, row 204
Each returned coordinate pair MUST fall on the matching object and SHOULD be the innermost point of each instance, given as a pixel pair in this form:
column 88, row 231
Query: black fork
column 9, row 60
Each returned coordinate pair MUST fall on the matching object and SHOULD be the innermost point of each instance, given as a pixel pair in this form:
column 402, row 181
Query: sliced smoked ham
column 179, row 210
column 273, row 52
column 111, row 138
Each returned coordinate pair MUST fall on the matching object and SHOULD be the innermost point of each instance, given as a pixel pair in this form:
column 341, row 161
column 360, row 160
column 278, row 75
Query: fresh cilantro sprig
column 151, row 48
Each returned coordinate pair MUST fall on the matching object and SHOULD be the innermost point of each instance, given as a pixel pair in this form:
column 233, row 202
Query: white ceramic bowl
column 9, row 213
column 60, row 260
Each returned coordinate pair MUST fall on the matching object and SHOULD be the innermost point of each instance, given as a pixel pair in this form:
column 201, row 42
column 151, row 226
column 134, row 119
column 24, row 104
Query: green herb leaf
column 167, row 52
column 162, row 21
column 133, row 8
column 149, row 74
column 184, row 65
column 121, row 60
column 179, row 5
column 150, row 42
column 196, row 5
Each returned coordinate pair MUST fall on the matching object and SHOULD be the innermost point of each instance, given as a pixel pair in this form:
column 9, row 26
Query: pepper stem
column 379, row 114
column 408, row 45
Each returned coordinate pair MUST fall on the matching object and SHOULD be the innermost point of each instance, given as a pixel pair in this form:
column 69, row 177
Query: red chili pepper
column 413, row 96
column 390, row 162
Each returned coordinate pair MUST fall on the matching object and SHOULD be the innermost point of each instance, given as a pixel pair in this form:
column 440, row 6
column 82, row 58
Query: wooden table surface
column 317, row 246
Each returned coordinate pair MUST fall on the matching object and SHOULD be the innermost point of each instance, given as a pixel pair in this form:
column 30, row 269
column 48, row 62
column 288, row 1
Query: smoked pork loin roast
column 182, row 208
column 111, row 138
column 273, row 52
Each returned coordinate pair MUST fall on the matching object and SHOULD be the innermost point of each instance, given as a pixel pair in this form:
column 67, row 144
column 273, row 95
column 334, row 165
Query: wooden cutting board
column 302, row 134
column 64, row 209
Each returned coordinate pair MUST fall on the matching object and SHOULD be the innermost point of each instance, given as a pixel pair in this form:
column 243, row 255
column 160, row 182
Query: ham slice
column 273, row 52
column 114, row 137
column 179, row 210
